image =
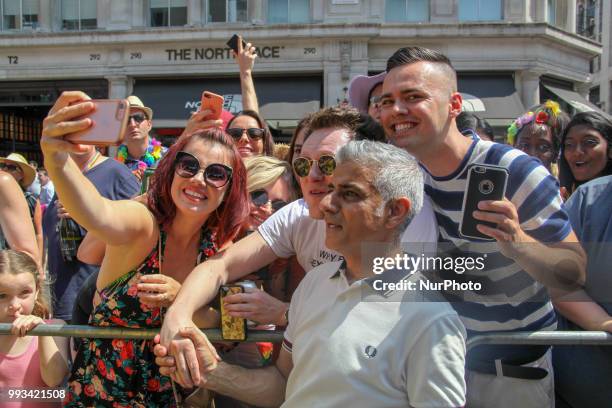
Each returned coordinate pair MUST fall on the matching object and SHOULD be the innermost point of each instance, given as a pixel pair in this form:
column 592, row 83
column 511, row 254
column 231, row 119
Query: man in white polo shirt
column 348, row 344
column 296, row 229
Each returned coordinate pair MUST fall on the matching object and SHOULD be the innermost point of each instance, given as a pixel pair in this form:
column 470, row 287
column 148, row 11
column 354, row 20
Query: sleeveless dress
column 121, row 372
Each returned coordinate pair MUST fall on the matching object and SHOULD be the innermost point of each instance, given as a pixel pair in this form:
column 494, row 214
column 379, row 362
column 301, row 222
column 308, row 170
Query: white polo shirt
column 351, row 352
column 291, row 231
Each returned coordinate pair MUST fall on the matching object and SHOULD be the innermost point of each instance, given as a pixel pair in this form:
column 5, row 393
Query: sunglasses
column 253, row 133
column 8, row 167
column 215, row 175
column 260, row 198
column 302, row 165
column 137, row 117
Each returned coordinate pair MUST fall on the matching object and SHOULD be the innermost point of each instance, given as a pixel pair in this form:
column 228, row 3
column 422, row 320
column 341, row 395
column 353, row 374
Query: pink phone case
column 110, row 119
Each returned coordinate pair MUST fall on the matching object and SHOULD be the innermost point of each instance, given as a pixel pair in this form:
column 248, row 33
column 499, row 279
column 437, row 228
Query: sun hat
column 29, row 173
column 135, row 102
column 360, row 88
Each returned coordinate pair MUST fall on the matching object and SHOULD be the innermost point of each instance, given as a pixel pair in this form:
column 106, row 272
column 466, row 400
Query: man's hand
column 61, row 211
column 157, row 290
column 508, row 230
column 205, row 353
column 256, row 305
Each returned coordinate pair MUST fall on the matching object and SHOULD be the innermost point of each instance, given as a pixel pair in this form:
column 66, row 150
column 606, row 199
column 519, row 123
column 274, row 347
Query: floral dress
column 121, row 372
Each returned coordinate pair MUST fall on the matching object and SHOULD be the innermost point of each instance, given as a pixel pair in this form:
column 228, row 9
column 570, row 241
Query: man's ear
column 456, row 101
column 397, row 211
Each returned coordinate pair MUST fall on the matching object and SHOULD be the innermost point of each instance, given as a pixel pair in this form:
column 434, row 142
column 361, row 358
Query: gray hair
column 396, row 173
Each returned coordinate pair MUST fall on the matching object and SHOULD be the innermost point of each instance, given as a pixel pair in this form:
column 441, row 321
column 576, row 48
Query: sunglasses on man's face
column 302, row 165
column 261, row 198
column 215, row 175
column 137, row 117
column 253, row 133
column 9, row 167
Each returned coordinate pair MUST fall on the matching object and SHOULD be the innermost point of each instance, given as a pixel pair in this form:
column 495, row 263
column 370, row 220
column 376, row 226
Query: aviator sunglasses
column 302, row 165
column 261, row 198
column 215, row 175
column 253, row 133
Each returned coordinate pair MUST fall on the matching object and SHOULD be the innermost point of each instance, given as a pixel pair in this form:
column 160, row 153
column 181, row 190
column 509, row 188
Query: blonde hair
column 15, row 262
column 265, row 170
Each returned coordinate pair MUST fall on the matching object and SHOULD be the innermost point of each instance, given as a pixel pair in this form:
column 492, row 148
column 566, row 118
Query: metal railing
column 554, row 338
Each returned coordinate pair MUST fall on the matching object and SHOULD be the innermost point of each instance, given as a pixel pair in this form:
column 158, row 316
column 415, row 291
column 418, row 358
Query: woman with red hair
column 196, row 204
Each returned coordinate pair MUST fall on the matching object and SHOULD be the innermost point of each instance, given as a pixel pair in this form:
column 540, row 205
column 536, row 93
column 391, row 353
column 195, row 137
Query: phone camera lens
column 486, row 186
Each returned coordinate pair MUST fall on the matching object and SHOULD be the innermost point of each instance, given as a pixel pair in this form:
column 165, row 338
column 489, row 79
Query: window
column 230, row 11
column 288, row 11
column 79, row 15
column 407, row 10
column 19, row 14
column 480, row 10
column 168, row 13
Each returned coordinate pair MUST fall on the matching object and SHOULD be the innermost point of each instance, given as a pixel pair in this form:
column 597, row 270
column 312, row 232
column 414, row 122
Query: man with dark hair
column 535, row 245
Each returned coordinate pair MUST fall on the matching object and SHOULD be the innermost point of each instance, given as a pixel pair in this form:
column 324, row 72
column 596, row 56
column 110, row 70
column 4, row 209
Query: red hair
column 230, row 215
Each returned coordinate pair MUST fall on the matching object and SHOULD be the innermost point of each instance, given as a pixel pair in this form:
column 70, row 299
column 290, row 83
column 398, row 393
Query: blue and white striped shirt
column 510, row 300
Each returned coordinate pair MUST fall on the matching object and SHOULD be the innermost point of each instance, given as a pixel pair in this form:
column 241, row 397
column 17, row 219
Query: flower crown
column 542, row 116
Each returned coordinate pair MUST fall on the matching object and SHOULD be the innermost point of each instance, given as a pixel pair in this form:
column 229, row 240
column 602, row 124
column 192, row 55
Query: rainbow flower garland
column 152, row 155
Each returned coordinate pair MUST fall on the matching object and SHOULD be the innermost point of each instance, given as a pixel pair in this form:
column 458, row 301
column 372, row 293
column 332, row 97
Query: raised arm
column 246, row 59
column 15, row 220
column 115, row 222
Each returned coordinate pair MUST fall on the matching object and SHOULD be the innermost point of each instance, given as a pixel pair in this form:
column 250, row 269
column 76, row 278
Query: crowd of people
column 383, row 175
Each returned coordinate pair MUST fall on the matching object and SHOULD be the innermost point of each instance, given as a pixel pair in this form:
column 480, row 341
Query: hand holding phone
column 233, row 43
column 484, row 183
column 109, row 123
column 213, row 103
column 232, row 328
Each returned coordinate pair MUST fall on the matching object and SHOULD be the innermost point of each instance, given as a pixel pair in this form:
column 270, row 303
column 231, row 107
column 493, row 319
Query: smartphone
column 110, row 120
column 212, row 102
column 484, row 182
column 232, row 328
column 233, row 43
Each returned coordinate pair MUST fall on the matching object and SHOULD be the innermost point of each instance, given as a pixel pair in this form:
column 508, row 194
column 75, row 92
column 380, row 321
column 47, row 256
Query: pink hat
column 226, row 116
column 360, row 88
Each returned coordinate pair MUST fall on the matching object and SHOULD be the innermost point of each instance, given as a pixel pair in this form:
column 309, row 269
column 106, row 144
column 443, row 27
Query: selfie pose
column 197, row 203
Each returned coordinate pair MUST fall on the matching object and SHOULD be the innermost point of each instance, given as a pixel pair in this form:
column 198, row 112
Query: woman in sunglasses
column 196, row 205
column 251, row 134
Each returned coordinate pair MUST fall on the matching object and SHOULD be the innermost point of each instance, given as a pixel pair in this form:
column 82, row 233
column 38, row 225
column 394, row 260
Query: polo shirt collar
column 390, row 276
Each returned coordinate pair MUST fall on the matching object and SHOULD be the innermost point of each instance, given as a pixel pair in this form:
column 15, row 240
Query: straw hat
column 135, row 102
column 29, row 173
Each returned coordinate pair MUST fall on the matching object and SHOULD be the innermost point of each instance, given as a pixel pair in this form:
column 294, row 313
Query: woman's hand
column 65, row 117
column 245, row 57
column 157, row 290
column 23, row 324
column 256, row 305
column 199, row 120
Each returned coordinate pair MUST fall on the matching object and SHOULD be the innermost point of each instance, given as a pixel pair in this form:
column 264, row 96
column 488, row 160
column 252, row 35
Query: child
column 27, row 362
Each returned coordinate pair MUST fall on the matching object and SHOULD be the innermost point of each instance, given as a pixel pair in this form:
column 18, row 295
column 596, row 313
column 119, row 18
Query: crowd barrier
column 553, row 338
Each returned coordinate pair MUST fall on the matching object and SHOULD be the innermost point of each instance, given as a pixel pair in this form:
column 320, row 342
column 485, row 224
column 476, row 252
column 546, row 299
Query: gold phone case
column 232, row 328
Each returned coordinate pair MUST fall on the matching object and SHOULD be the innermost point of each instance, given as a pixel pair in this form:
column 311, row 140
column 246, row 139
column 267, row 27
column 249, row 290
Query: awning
column 286, row 114
column 491, row 97
column 574, row 99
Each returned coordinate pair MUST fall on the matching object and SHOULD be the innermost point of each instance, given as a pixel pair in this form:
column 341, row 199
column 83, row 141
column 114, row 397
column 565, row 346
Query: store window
column 288, row 11
column 227, row 11
column 407, row 10
column 19, row 14
column 168, row 13
column 480, row 10
column 79, row 15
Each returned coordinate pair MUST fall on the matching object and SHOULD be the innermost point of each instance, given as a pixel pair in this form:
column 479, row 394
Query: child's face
column 17, row 295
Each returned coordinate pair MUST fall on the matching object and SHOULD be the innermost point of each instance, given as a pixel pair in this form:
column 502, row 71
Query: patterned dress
column 121, row 372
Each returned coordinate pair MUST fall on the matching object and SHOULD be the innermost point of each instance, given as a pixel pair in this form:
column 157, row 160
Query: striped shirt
column 510, row 300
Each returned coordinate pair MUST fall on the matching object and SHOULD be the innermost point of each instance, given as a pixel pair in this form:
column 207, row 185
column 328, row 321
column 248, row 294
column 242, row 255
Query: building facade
column 509, row 54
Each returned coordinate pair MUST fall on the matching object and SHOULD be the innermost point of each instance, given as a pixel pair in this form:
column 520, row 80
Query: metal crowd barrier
column 554, row 338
